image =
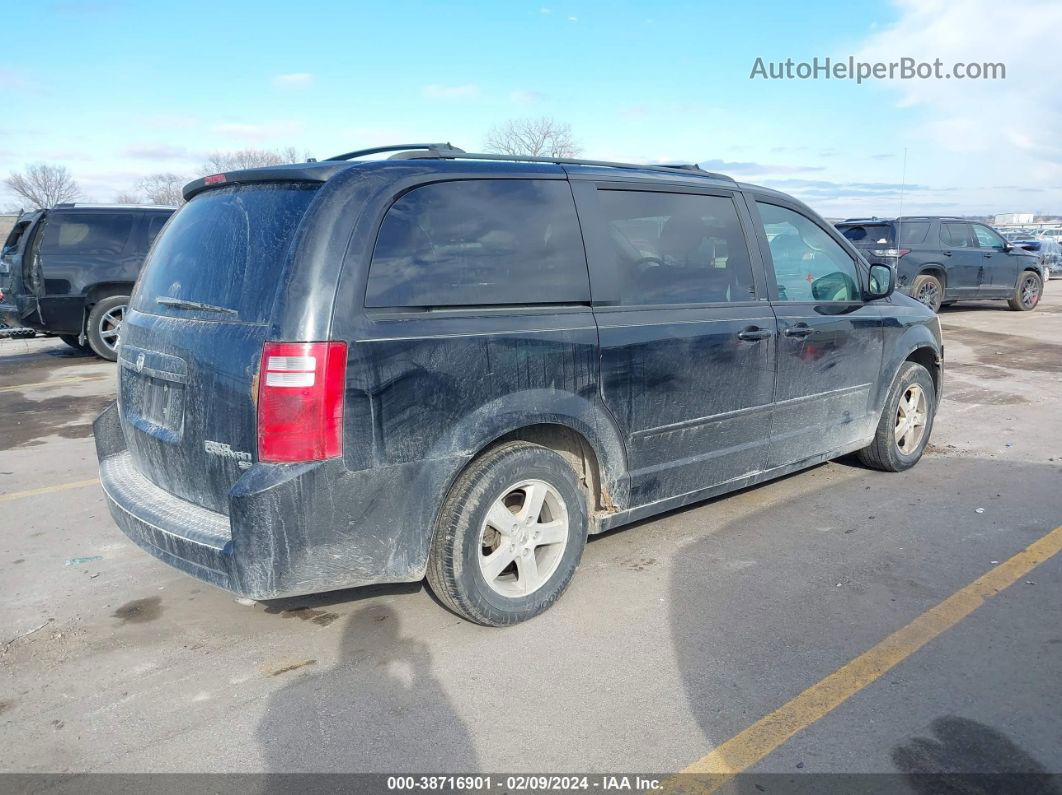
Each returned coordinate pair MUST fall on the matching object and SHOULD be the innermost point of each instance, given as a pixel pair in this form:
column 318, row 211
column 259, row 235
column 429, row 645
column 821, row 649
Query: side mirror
column 834, row 287
column 882, row 281
column 1007, row 248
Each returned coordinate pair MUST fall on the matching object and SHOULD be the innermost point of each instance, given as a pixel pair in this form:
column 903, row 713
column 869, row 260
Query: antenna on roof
column 903, row 184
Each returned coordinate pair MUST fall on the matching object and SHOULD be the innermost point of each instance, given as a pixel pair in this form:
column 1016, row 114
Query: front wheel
column 105, row 324
column 906, row 422
column 1028, row 293
column 509, row 536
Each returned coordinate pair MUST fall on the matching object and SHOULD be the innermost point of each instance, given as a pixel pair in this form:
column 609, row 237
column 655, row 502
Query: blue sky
column 124, row 89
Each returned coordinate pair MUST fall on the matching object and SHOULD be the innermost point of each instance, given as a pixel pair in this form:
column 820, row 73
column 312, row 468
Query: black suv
column 941, row 260
column 72, row 268
column 341, row 373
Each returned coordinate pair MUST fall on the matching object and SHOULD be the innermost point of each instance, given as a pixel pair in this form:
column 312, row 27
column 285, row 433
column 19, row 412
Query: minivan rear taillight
column 300, row 401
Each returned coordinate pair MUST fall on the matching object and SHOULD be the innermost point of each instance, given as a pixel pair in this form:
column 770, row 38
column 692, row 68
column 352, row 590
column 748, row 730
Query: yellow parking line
column 57, row 382
column 769, row 732
column 77, row 484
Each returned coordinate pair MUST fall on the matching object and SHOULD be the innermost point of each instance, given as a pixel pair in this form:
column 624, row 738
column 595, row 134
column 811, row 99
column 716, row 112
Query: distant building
column 1014, row 219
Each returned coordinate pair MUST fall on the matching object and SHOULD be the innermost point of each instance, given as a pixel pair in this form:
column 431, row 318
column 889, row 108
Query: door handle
column 754, row 333
column 947, row 253
column 800, row 330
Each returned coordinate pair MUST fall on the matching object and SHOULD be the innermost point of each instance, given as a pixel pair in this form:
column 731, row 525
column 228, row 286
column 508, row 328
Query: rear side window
column 478, row 242
column 14, row 237
column 228, row 248
column 677, row 248
column 99, row 234
column 957, row 235
column 913, row 233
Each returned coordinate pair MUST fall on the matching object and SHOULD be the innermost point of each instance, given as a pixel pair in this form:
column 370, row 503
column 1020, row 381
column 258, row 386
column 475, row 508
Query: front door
column 999, row 273
column 686, row 334
column 829, row 340
column 963, row 259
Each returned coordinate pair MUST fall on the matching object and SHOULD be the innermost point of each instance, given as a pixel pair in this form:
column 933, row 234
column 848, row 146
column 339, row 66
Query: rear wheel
column 73, row 341
column 1027, row 295
column 928, row 290
column 105, row 324
column 509, row 536
column 906, row 422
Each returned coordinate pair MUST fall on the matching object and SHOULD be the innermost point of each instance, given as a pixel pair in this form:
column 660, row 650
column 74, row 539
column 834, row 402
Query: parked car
column 458, row 365
column 1048, row 251
column 941, row 260
column 72, row 268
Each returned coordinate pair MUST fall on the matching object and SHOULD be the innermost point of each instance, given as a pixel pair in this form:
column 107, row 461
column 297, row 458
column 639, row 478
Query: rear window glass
column 155, row 222
column 868, row 234
column 874, row 235
column 226, row 248
column 100, row 234
column 477, row 242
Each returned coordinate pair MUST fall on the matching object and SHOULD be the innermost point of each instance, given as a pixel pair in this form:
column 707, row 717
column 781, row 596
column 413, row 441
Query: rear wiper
column 178, row 303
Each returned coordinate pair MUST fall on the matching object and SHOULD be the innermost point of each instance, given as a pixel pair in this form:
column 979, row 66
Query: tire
column 928, row 290
column 886, row 452
column 101, row 328
column 72, row 341
column 1028, row 292
column 460, row 567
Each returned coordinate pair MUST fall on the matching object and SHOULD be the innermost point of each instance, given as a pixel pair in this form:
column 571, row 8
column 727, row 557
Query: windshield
column 224, row 253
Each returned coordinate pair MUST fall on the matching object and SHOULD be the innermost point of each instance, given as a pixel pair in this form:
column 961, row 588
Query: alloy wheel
column 523, row 538
column 911, row 416
column 110, row 327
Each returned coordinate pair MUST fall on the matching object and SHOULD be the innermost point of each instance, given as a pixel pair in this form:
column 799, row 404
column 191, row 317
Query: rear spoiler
column 294, row 172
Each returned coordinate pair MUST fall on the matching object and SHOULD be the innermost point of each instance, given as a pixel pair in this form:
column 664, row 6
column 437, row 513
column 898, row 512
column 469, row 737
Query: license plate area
column 152, row 392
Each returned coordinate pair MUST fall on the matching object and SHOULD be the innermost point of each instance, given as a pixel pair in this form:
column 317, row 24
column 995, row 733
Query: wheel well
column 927, row 357
column 100, row 291
column 937, row 272
column 573, row 447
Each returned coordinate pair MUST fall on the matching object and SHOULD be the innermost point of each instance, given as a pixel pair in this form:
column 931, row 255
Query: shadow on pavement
column 964, row 746
column 379, row 709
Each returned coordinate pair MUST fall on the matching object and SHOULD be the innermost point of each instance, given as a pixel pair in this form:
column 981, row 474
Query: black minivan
column 73, row 267
column 458, row 365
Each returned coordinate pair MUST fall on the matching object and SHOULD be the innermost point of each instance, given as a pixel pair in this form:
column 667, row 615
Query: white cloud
column 573, row 19
column 526, row 97
column 155, row 152
column 1017, row 118
column 436, row 91
column 545, row 10
column 294, row 80
column 258, row 132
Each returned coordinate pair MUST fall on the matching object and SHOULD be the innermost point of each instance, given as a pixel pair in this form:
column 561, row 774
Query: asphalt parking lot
column 677, row 635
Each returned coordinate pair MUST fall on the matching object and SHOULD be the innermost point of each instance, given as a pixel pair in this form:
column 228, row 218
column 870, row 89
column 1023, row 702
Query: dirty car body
column 595, row 339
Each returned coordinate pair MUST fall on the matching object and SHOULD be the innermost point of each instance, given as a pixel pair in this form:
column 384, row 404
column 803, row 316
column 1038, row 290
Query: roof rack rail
column 436, row 149
column 447, row 151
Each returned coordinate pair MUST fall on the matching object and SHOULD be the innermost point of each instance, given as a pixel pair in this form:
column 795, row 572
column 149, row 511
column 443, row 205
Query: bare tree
column 44, row 185
column 126, row 197
column 162, row 188
column 543, row 137
column 249, row 158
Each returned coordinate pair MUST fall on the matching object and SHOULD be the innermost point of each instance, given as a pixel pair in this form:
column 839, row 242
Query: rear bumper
column 291, row 529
